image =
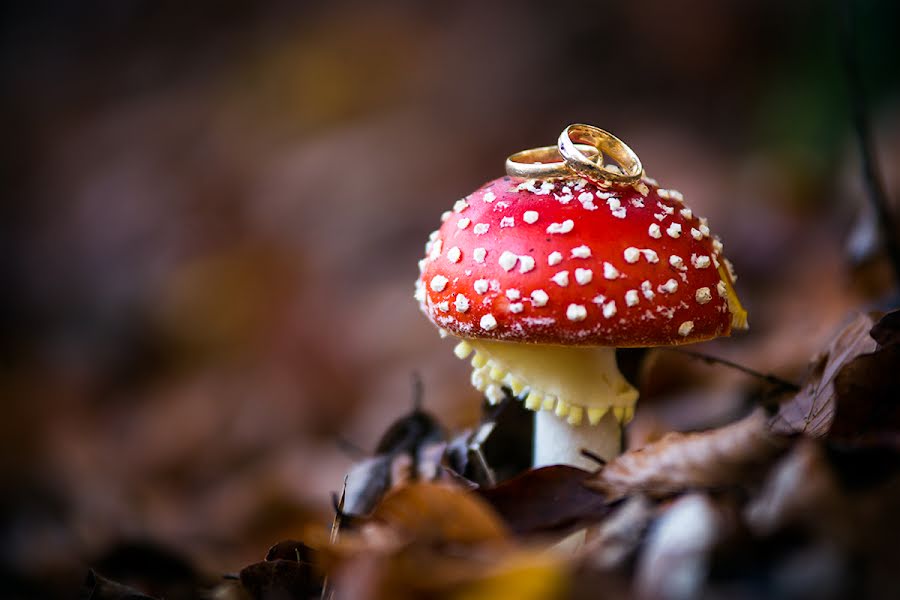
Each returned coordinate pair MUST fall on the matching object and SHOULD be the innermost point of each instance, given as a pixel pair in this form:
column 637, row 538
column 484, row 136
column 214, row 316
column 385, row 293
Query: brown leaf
column 281, row 579
column 439, row 512
column 853, row 391
column 811, row 411
column 887, row 331
column 544, row 499
column 719, row 457
column 867, row 394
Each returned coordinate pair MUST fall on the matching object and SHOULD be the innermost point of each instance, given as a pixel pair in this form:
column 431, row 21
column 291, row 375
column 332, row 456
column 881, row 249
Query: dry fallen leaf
column 441, row 513
column 679, row 461
column 811, row 411
column 547, row 498
column 852, row 393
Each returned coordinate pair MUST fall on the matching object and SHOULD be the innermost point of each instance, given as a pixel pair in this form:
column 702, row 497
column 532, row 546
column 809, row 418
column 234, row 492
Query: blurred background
column 213, row 212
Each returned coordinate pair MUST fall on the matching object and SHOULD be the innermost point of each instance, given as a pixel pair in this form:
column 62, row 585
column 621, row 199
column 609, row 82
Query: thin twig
column 774, row 380
column 594, row 457
column 418, row 391
column 861, row 125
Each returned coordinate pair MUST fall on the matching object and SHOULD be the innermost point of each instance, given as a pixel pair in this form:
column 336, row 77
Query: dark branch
column 418, row 391
column 783, row 384
column 861, row 126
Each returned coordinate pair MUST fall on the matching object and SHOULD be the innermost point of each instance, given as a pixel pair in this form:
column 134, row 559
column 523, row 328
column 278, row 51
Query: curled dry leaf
column 411, row 448
column 679, row 461
column 853, row 389
column 811, row 411
column 441, row 513
column 544, row 499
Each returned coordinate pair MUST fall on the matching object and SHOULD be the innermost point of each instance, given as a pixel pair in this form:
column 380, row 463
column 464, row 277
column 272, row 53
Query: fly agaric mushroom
column 544, row 279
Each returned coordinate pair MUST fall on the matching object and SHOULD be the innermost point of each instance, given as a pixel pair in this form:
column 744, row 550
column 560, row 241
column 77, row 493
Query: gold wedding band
column 544, row 162
column 570, row 143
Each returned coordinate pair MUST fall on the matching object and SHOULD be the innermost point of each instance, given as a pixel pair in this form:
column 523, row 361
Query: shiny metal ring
column 544, row 162
column 570, row 143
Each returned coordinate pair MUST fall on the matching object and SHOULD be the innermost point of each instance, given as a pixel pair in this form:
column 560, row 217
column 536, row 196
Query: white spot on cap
column 446, row 215
column 561, row 279
column 674, row 230
column 704, row 229
column 654, row 231
column 508, row 260
column 669, row 287
column 665, row 208
column 462, row 303
column 530, row 216
column 703, row 295
column 619, row 213
column 488, row 322
column 717, row 246
column 632, row 254
column 481, row 286
column 609, row 271
column 609, row 309
column 463, row 223
column 576, row 312
column 554, row 258
column 613, row 203
column 677, row 262
column 489, row 197
column 685, row 328
column 454, row 254
column 460, row 205
column 478, row 254
column 701, row 261
column 647, row 290
column 687, row 213
column 564, row 227
column 650, row 255
column 539, row 298
column 581, row 252
column 722, row 289
column 585, row 197
column 438, row 283
column 632, row 297
column 516, row 307
column 599, row 299
column 507, row 222
column 513, row 294
column 443, row 306
column 583, row 276
column 695, row 233
column 526, row 263
column 481, row 228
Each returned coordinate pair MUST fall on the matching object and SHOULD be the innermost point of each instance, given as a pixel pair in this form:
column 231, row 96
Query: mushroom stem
column 556, row 442
column 577, row 391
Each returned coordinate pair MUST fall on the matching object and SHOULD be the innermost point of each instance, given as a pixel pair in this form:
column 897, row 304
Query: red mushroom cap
column 564, row 261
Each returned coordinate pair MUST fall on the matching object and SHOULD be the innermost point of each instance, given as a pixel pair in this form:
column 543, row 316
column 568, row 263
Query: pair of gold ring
column 581, row 148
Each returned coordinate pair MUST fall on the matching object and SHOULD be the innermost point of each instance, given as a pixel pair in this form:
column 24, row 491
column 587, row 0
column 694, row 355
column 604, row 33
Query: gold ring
column 544, row 162
column 605, row 142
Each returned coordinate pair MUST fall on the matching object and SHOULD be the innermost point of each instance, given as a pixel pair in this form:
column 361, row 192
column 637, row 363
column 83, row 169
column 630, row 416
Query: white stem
column 557, row 442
